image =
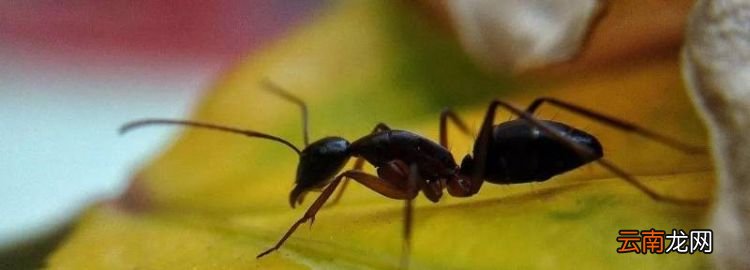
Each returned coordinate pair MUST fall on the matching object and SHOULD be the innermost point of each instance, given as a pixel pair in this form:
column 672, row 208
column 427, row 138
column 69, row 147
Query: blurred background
column 73, row 71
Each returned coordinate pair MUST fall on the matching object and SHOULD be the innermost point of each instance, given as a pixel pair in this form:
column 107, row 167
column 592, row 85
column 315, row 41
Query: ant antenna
column 276, row 89
column 147, row 122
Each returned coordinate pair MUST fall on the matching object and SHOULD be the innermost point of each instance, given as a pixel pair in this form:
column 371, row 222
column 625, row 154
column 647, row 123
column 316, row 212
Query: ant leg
column 408, row 217
column 581, row 150
column 391, row 188
column 406, row 240
column 391, row 184
column 448, row 114
column 616, row 123
column 309, row 214
column 458, row 188
column 655, row 196
column 276, row 89
column 358, row 164
column 385, row 187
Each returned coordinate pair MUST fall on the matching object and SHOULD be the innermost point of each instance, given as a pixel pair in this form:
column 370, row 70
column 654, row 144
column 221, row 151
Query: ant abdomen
column 519, row 152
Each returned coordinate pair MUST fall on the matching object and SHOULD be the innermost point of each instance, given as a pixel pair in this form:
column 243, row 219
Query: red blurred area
column 165, row 28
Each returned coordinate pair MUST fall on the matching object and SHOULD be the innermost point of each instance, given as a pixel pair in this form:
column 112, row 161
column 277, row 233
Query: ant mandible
column 516, row 151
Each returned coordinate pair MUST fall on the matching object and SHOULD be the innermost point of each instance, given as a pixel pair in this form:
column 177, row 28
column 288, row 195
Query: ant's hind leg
column 358, row 164
column 655, row 196
column 616, row 123
column 578, row 148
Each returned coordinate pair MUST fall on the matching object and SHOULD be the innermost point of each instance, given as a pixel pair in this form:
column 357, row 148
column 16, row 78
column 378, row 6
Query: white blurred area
column 58, row 132
column 72, row 72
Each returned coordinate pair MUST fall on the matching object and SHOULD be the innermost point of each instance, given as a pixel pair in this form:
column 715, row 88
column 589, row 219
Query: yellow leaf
column 214, row 201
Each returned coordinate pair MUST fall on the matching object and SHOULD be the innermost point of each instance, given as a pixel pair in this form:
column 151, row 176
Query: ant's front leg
column 392, row 181
column 309, row 214
column 391, row 188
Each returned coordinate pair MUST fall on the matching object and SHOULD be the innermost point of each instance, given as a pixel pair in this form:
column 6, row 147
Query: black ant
column 517, row 151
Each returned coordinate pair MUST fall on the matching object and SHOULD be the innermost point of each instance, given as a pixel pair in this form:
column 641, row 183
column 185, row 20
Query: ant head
column 319, row 162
